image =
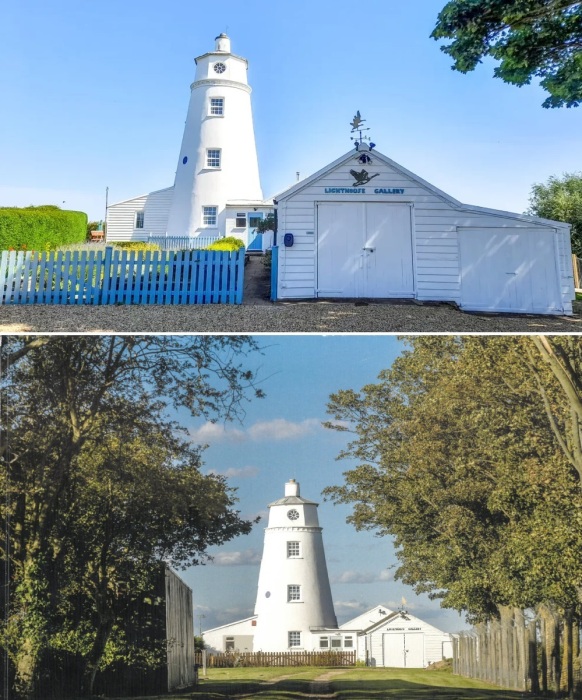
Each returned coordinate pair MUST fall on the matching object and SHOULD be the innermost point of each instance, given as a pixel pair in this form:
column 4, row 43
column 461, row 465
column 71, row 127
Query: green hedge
column 228, row 243
column 40, row 228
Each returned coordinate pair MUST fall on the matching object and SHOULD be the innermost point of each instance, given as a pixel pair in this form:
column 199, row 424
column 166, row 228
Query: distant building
column 217, row 190
column 294, row 608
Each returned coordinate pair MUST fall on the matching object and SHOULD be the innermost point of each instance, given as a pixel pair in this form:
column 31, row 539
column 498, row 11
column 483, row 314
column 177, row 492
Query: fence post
column 104, row 296
column 576, row 271
column 274, row 271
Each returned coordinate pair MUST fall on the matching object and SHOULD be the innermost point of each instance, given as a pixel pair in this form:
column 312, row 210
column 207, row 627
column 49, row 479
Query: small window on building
column 139, row 219
column 293, row 593
column 229, row 644
column 292, row 550
column 336, row 642
column 324, row 642
column 349, row 642
column 294, row 639
column 217, row 106
column 213, row 158
column 209, row 216
column 241, row 220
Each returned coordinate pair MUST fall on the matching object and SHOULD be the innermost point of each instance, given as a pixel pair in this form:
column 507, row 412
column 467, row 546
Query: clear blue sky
column 94, row 94
column 282, row 438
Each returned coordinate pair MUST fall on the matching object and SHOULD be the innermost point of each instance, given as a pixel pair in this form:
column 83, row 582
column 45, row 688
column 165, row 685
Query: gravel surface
column 281, row 317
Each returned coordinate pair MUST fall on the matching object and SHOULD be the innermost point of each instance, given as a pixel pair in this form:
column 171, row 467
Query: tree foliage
column 468, row 453
column 561, row 199
column 102, row 484
column 529, row 38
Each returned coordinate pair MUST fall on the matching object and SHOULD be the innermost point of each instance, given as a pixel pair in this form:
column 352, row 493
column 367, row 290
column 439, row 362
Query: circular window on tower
column 219, row 67
column 293, row 514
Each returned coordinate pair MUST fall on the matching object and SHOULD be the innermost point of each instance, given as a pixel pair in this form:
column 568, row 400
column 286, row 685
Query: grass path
column 341, row 684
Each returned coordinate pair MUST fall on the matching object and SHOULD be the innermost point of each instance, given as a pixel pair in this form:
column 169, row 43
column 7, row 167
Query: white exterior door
column 364, row 249
column 403, row 650
column 509, row 270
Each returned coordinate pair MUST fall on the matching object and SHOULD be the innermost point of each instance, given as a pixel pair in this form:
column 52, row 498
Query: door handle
column 370, row 249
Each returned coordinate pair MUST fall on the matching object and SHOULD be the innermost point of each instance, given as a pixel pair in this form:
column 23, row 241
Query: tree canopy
column 560, row 198
column 529, row 38
column 102, row 484
column 468, row 453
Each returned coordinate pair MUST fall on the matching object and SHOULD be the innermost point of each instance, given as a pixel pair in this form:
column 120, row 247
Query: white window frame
column 348, row 642
column 296, row 553
column 324, row 642
column 294, row 639
column 139, row 217
column 206, row 217
column 293, row 593
column 239, row 217
column 216, row 155
column 335, row 643
column 211, row 106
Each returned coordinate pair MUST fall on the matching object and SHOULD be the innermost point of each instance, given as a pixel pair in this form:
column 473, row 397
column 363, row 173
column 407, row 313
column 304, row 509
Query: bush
column 40, row 228
column 135, row 245
column 229, row 243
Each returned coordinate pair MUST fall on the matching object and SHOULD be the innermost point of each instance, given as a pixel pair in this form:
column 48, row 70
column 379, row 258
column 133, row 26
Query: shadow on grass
column 346, row 690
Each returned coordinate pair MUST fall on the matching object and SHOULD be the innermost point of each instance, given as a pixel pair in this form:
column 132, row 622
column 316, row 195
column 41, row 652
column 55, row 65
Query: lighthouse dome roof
column 292, row 501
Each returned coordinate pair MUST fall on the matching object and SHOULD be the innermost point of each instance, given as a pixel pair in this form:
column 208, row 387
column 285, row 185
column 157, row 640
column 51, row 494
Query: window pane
column 293, row 593
column 213, row 158
column 241, row 220
column 348, row 642
column 209, row 215
column 217, row 106
column 294, row 639
column 336, row 643
column 323, row 643
column 139, row 219
column 292, row 549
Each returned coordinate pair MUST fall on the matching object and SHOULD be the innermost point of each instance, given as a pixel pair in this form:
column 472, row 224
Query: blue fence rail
column 182, row 242
column 122, row 277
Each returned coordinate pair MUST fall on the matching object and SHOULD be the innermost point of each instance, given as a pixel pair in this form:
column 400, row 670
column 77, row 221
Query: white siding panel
column 121, row 216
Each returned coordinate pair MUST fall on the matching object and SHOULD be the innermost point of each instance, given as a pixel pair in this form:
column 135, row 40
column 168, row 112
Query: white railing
column 182, row 242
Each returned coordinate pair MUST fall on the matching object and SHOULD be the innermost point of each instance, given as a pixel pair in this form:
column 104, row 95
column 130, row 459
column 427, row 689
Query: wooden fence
column 288, row 658
column 540, row 653
column 577, row 268
column 122, row 277
column 182, row 242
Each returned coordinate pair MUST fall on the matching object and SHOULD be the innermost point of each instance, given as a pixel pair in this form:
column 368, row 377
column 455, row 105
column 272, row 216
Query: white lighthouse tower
column 218, row 158
column 293, row 596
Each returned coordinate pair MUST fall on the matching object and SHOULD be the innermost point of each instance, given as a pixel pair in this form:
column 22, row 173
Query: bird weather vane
column 360, row 140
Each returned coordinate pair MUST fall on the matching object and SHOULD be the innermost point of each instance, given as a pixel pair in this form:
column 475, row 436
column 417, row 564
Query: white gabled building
column 294, row 608
column 217, row 190
column 365, row 227
column 398, row 639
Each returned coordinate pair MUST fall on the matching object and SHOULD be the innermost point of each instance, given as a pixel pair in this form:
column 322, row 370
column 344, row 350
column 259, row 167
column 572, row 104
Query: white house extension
column 217, row 190
column 294, row 608
column 365, row 227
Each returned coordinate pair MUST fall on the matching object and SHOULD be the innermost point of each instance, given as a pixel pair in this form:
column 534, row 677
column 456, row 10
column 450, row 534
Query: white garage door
column 403, row 650
column 364, row 250
column 509, row 270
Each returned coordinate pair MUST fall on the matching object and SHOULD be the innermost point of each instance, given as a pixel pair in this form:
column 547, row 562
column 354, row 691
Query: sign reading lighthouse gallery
column 363, row 190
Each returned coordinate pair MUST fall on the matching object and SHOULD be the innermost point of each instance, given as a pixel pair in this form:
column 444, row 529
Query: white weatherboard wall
column 399, row 236
column 292, row 519
column 121, row 217
column 236, row 636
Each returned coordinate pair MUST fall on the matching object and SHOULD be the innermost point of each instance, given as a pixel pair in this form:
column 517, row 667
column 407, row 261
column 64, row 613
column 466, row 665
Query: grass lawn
column 341, row 684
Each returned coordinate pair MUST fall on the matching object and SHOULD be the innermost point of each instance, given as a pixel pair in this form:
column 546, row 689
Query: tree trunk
column 532, row 644
column 569, row 653
column 92, row 665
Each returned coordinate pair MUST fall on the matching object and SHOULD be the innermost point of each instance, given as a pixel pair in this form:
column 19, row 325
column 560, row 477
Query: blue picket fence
column 122, row 277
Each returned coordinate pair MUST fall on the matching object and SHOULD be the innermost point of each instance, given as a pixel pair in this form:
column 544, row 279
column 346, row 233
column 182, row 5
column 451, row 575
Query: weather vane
column 360, row 140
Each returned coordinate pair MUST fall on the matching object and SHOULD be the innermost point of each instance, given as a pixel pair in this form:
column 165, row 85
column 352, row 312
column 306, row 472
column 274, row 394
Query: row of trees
column 99, row 486
column 469, row 455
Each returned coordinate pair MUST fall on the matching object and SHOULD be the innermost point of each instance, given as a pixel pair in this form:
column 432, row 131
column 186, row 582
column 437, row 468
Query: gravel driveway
column 281, row 317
